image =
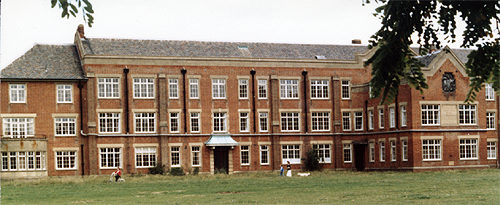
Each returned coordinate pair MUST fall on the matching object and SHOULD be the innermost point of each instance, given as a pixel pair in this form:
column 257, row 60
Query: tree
column 393, row 61
column 73, row 7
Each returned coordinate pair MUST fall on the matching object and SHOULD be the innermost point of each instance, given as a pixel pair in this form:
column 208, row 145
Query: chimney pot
column 356, row 41
column 81, row 31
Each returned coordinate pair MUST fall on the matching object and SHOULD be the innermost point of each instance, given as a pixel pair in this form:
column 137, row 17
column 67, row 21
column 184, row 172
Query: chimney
column 356, row 41
column 80, row 31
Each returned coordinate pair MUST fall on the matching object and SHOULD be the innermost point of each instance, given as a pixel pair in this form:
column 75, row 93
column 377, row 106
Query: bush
column 176, row 171
column 312, row 161
column 220, row 171
column 158, row 169
column 196, row 170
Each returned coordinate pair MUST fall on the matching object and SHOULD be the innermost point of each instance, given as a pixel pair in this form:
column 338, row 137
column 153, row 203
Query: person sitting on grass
column 118, row 174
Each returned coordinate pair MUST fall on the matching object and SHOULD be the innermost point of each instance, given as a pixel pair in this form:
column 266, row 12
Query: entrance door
column 221, row 163
column 359, row 156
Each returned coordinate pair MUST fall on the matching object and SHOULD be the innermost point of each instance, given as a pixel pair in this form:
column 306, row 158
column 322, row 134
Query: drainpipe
column 396, row 110
column 332, row 128
column 125, row 73
column 366, row 114
column 184, row 110
column 497, row 127
column 252, row 72
column 306, row 125
column 80, row 87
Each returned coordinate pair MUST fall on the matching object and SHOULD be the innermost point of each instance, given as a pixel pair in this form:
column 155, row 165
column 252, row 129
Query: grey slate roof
column 43, row 62
column 459, row 52
column 128, row 47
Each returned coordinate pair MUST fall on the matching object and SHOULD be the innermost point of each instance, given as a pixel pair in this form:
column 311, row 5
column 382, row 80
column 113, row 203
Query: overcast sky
column 25, row 23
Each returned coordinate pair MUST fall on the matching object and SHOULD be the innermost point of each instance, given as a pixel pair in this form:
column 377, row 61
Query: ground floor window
column 110, row 157
column 175, row 156
column 468, row 148
column 264, row 155
column 491, row 148
column 66, row 160
column 404, row 150
column 23, row 161
column 431, row 149
column 347, row 153
column 245, row 155
column 323, row 152
column 145, row 157
column 196, row 158
column 372, row 151
column 381, row 145
column 290, row 153
column 393, row 150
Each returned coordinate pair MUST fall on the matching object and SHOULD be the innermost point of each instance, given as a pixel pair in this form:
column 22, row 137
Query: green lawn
column 444, row 187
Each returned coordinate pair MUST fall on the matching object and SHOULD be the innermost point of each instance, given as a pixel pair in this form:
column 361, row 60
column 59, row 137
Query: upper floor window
column 219, row 120
column 358, row 120
column 489, row 91
column 195, row 122
column 143, row 88
column 381, row 121
column 65, row 126
column 17, row 93
column 144, row 122
column 244, row 122
column 320, row 121
column 370, row 119
column 290, row 121
column 262, row 87
column 319, row 89
column 18, row 127
column 430, row 115
column 263, row 122
column 109, row 122
column 64, row 94
column 218, row 88
column 174, row 122
column 346, row 121
column 346, row 90
column 403, row 115
column 108, row 87
column 392, row 117
column 243, row 88
column 490, row 120
column 194, row 88
column 289, row 89
column 173, row 88
column 467, row 114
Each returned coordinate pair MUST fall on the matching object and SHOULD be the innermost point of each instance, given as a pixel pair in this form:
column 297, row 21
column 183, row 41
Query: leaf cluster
column 72, row 7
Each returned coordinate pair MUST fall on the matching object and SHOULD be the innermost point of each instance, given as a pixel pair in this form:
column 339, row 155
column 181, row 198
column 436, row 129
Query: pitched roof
column 459, row 52
column 128, row 47
column 43, row 62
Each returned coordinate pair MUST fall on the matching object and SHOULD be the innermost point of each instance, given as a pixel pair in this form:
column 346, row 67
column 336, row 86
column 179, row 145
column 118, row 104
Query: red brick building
column 90, row 107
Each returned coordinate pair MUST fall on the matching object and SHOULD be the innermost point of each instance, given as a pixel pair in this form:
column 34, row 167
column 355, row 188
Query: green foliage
column 73, row 7
column 394, row 62
column 312, row 161
column 196, row 170
column 176, row 171
column 158, row 169
column 220, row 171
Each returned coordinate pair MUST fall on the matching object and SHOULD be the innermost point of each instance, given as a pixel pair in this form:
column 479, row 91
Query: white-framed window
column 64, row 93
column 358, row 121
column 263, row 125
column 393, row 150
column 17, row 93
column 244, row 155
column 290, row 153
column 108, row 87
column 381, row 145
column 243, row 88
column 392, row 117
column 381, row 120
column 111, row 157
column 290, row 121
column 370, row 95
column 244, row 122
column 173, row 88
column 195, row 121
column 264, row 155
column 371, row 154
column 489, row 91
column 194, row 88
column 18, row 127
column 196, row 156
column 218, row 88
column 262, row 88
column 109, row 122
column 468, row 149
column 143, row 88
column 175, row 122
column 491, row 149
column 65, row 126
column 346, row 121
column 23, row 161
column 467, row 114
column 430, row 115
column 220, row 124
column 490, row 120
column 347, row 151
column 323, row 152
column 319, row 89
column 145, row 157
column 65, row 160
column 403, row 115
column 320, row 121
column 370, row 119
column 346, row 89
column 289, row 89
column 145, row 122
column 404, row 150
column 431, row 149
column 175, row 156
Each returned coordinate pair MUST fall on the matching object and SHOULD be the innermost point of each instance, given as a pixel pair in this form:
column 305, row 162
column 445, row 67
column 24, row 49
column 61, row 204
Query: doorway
column 221, row 157
column 359, row 156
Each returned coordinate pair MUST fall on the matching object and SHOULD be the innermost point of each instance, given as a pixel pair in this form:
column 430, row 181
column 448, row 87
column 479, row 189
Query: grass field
column 443, row 187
